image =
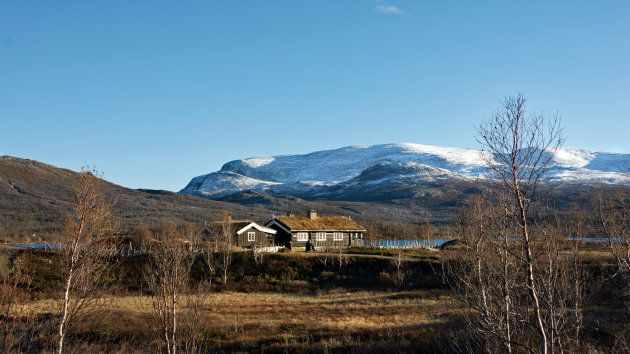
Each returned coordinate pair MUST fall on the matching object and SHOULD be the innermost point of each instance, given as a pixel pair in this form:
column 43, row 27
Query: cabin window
column 338, row 236
column 251, row 236
column 302, row 236
column 321, row 236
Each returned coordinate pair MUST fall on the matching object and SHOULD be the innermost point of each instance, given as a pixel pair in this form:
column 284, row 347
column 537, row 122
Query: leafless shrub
column 400, row 275
column 612, row 221
column 191, row 317
column 18, row 325
column 167, row 230
column 324, row 257
column 340, row 256
column 143, row 235
column 209, row 259
column 258, row 251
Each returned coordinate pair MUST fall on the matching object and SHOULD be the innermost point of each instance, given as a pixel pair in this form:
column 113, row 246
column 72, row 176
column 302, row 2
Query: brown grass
column 339, row 310
column 357, row 310
column 240, row 318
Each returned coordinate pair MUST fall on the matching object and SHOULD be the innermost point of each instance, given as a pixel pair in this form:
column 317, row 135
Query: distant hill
column 34, row 197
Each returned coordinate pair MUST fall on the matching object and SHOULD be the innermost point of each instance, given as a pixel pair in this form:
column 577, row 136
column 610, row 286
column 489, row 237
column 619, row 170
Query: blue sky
column 154, row 93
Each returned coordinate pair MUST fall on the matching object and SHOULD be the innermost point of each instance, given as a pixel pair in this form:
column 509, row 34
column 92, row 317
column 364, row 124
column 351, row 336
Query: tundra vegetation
column 524, row 276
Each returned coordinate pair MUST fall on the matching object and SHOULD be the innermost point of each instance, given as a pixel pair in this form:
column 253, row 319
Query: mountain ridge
column 322, row 174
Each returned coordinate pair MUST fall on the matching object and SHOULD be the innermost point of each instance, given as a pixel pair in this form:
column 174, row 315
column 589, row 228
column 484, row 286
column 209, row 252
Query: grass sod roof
column 321, row 223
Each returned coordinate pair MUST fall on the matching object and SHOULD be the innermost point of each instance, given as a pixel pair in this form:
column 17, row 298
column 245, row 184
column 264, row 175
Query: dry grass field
column 272, row 321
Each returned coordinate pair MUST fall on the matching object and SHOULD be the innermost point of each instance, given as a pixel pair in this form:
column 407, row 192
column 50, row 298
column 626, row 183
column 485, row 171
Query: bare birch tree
column 518, row 150
column 520, row 276
column 166, row 274
column 490, row 279
column 225, row 245
column 521, row 286
column 561, row 275
column 486, row 277
column 86, row 249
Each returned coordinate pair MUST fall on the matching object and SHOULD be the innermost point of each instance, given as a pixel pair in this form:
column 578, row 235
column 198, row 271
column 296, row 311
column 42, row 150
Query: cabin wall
column 290, row 240
column 348, row 239
column 282, row 238
column 262, row 239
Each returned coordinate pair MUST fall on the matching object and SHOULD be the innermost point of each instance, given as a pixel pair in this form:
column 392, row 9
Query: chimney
column 290, row 214
column 312, row 214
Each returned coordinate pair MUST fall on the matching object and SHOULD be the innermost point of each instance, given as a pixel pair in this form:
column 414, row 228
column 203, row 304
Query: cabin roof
column 321, row 223
column 217, row 227
column 257, row 227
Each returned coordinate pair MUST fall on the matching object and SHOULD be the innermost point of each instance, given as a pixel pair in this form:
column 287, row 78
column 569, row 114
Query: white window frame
column 251, row 236
column 338, row 236
column 320, row 236
column 302, row 236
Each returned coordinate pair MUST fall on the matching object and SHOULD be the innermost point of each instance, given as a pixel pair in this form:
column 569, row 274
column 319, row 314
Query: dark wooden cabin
column 316, row 231
column 254, row 234
column 244, row 233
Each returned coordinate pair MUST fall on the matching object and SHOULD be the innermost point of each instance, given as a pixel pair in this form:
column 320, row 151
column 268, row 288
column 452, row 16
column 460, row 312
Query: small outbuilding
column 254, row 234
column 243, row 233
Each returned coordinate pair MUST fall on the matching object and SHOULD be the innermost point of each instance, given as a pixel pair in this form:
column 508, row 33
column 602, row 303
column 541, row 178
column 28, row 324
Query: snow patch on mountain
column 453, row 156
column 573, row 158
column 587, row 176
column 258, row 161
column 226, row 182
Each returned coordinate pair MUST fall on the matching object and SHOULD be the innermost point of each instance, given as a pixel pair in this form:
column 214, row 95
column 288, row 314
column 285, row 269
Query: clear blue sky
column 157, row 92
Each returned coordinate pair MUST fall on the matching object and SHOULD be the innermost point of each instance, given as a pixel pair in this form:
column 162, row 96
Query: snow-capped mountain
column 353, row 170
